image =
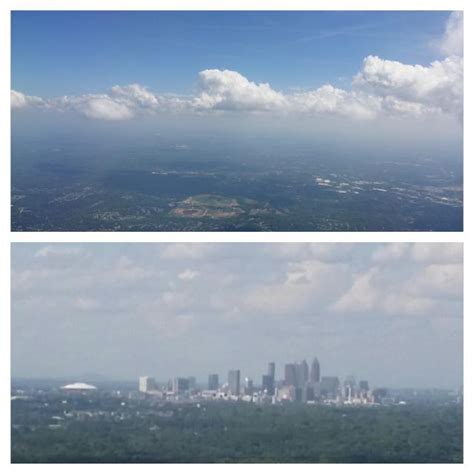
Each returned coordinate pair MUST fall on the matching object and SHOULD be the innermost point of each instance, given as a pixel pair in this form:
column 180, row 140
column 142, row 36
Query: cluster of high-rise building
column 300, row 383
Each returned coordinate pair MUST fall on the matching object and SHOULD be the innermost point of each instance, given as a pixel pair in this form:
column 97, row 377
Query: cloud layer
column 381, row 88
column 191, row 308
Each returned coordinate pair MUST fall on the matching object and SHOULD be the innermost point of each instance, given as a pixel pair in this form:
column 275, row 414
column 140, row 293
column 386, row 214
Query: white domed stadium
column 79, row 386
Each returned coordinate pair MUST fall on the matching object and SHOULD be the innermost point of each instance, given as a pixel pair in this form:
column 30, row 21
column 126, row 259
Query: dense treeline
column 240, row 432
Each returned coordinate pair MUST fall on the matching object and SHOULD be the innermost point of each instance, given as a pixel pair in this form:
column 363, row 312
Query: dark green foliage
column 241, row 432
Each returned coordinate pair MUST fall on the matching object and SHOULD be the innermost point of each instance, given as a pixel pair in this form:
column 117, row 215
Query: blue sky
column 59, row 53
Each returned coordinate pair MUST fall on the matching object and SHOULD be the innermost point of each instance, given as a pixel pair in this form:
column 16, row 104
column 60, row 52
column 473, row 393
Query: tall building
column 350, row 381
column 213, row 382
column 364, row 386
column 290, row 375
column 268, row 380
column 180, row 385
column 234, row 382
column 248, row 386
column 192, row 383
column 268, row 384
column 329, row 386
column 315, row 375
column 308, row 393
column 271, row 370
column 301, row 374
column 146, row 384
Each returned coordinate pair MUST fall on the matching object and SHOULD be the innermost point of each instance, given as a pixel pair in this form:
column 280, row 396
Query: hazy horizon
column 195, row 70
column 389, row 313
column 237, row 121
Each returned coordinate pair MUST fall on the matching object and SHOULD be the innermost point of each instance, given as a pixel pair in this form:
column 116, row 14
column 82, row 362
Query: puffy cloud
column 331, row 100
column 93, row 106
column 304, row 283
column 135, row 95
column 104, row 108
column 414, row 88
column 394, row 107
column 382, row 88
column 229, row 90
column 19, row 100
column 369, row 292
column 425, row 281
column 452, row 43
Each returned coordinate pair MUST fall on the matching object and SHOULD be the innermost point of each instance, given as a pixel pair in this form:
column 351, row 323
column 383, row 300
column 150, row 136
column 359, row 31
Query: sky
column 356, row 66
column 389, row 313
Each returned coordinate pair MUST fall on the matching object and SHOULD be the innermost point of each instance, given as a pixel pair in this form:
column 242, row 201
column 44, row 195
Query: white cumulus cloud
column 135, row 95
column 331, row 100
column 438, row 86
column 230, row 90
column 382, row 88
column 104, row 108
column 19, row 100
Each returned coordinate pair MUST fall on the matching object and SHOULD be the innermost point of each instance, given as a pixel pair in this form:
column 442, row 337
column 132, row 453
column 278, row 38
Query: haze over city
column 389, row 313
column 237, row 121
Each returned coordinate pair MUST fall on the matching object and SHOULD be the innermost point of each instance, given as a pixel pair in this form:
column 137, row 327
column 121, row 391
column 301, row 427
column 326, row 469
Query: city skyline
column 267, row 382
column 298, row 385
column 130, row 309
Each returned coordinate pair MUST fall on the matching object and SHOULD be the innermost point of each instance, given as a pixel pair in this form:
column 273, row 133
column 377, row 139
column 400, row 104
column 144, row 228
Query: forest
column 239, row 432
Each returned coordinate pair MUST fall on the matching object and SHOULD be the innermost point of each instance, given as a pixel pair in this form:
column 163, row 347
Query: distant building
column 301, row 374
column 308, row 393
column 213, row 382
column 248, row 386
column 268, row 384
column 316, row 386
column 315, row 375
column 180, row 385
column 364, row 386
column 271, row 370
column 192, row 383
column 329, row 386
column 234, row 382
column 298, row 394
column 290, row 375
column 146, row 384
column 350, row 381
column 268, row 380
